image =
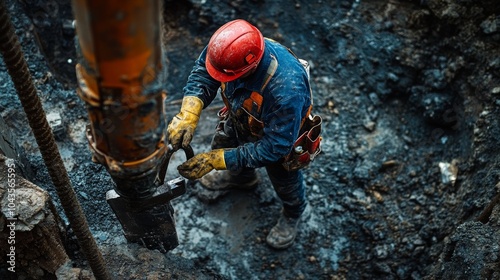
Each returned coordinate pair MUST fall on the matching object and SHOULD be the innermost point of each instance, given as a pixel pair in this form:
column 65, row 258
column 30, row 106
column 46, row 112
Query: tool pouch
column 307, row 145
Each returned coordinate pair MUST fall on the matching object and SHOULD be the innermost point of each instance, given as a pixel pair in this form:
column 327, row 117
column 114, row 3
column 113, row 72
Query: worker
column 267, row 96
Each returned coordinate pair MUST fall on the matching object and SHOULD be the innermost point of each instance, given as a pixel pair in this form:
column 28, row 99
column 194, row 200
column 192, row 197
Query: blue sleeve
column 199, row 83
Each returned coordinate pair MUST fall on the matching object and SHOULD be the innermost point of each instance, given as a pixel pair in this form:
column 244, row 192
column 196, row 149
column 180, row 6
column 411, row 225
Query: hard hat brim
column 220, row 76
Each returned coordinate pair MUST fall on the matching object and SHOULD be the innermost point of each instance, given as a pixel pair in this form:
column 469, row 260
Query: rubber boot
column 283, row 234
column 224, row 180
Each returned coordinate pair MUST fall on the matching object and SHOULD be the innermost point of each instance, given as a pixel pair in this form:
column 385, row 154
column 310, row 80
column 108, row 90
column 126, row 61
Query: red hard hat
column 234, row 49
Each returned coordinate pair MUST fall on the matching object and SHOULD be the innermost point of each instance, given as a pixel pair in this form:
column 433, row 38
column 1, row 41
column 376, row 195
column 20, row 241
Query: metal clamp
column 162, row 172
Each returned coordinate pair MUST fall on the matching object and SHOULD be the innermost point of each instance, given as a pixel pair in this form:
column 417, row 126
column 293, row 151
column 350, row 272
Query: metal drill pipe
column 20, row 75
column 121, row 77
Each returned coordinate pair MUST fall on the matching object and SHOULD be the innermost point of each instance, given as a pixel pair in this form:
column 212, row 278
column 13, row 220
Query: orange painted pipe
column 121, row 76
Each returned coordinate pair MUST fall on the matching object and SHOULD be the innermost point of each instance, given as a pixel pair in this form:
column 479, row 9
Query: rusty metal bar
column 23, row 82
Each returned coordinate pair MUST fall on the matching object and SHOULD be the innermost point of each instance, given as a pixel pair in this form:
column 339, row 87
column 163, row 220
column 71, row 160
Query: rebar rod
column 23, row 82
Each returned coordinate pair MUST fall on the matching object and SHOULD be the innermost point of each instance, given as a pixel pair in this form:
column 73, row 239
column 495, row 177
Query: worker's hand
column 181, row 128
column 201, row 164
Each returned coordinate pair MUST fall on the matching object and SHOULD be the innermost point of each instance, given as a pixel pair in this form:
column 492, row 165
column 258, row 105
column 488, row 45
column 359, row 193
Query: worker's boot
column 224, row 180
column 284, row 232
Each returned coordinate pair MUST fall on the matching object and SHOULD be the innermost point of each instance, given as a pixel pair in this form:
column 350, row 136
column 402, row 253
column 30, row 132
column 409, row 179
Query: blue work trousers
column 289, row 186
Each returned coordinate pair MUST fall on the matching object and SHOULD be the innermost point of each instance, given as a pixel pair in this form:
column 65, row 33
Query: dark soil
column 408, row 90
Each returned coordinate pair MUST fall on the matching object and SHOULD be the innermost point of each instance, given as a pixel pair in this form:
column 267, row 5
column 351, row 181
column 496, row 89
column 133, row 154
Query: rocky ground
column 409, row 92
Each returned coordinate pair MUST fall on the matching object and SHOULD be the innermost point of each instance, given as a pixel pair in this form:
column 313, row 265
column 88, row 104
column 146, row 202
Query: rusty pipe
column 121, row 76
column 23, row 82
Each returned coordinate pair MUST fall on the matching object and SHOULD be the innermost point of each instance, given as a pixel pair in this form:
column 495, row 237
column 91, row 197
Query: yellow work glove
column 201, row 164
column 181, row 128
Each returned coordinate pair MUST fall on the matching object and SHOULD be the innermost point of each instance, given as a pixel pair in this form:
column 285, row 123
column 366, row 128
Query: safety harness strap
column 253, row 104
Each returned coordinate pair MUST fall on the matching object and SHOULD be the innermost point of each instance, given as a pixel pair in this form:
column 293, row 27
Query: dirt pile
column 410, row 95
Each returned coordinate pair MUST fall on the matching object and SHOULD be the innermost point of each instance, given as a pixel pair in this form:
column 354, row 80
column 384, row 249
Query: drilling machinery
column 121, row 77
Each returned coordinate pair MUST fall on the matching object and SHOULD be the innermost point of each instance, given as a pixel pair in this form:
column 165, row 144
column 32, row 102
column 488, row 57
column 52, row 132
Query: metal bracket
column 150, row 221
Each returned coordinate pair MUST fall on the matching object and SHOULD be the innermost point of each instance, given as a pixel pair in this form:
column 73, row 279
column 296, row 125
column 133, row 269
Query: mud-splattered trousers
column 286, row 100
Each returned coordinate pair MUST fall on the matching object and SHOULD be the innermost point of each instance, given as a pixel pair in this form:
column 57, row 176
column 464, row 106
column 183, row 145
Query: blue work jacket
column 286, row 101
